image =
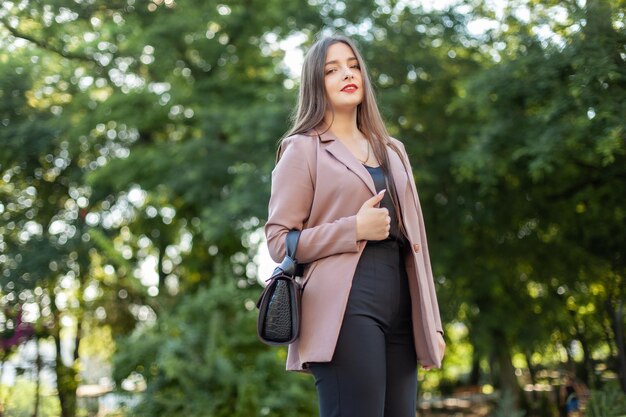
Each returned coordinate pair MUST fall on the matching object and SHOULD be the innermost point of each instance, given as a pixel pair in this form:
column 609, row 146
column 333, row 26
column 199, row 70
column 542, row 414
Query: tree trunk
column 621, row 345
column 608, row 330
column 66, row 382
column 531, row 373
column 506, row 378
column 160, row 259
column 37, row 377
column 474, row 378
column 614, row 307
column 587, row 375
column 598, row 20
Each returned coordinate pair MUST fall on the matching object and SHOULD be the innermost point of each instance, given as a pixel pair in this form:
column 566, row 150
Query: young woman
column 369, row 308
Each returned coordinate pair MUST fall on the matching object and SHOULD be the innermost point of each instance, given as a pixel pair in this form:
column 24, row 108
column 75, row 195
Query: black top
column 379, row 182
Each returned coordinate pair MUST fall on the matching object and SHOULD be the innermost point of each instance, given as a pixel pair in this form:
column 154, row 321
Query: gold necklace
column 368, row 153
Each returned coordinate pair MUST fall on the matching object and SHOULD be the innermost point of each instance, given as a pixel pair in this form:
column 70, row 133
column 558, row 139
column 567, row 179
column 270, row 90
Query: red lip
column 353, row 86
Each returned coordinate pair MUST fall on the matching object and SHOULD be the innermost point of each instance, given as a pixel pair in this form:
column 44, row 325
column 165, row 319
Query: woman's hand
column 373, row 223
column 441, row 344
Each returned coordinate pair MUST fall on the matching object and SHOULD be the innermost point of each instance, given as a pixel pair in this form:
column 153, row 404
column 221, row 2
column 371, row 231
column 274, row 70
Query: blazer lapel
column 400, row 175
column 343, row 155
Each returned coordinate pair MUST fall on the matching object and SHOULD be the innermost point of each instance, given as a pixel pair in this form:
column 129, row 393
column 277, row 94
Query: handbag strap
column 290, row 265
column 291, row 243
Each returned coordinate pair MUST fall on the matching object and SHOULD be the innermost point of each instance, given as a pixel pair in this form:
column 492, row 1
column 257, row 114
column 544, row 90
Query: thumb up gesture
column 373, row 223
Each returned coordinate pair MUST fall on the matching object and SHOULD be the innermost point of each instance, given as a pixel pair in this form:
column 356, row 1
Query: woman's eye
column 331, row 70
column 356, row 66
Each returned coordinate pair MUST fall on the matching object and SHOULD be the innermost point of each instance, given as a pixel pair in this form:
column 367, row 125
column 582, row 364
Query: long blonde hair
column 313, row 103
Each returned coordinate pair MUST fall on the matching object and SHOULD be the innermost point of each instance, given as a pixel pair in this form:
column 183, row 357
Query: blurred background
column 137, row 140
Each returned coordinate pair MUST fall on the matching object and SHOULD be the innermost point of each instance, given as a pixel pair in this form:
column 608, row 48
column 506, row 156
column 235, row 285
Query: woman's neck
column 344, row 126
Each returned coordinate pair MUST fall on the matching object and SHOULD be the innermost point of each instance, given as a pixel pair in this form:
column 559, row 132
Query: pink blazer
column 318, row 186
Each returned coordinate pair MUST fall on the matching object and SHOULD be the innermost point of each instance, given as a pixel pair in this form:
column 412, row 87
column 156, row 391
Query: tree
column 548, row 145
column 94, row 188
column 213, row 366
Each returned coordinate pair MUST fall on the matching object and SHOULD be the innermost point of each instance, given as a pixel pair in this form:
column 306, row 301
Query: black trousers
column 373, row 372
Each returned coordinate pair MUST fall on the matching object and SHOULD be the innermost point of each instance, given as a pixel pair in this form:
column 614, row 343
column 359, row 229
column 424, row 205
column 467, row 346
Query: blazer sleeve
column 293, row 191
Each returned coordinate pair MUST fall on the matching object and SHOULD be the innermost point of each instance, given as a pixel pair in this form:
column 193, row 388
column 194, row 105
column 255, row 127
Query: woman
column 573, row 392
column 369, row 308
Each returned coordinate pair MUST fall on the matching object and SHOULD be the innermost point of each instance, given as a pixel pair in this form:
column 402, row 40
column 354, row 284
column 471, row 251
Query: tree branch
column 46, row 45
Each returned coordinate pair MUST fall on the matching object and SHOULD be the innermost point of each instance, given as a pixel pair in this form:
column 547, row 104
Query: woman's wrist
column 359, row 237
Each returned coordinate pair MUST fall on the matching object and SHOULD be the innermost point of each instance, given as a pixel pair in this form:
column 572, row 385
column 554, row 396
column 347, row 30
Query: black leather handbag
column 279, row 304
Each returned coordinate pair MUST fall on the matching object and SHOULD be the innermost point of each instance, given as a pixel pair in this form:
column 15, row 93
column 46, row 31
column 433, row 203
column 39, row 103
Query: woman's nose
column 348, row 73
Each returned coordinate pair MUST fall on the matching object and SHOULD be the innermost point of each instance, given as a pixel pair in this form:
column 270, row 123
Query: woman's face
column 342, row 78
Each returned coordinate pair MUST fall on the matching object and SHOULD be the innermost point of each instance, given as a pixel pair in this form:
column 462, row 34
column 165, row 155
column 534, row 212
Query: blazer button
column 416, row 247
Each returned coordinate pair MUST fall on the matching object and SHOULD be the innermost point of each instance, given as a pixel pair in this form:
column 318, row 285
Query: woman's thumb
column 374, row 200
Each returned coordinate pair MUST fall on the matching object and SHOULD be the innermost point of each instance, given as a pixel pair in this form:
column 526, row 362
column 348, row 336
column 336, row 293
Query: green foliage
column 20, row 400
column 81, row 212
column 535, row 191
column 203, row 358
column 137, row 141
column 608, row 402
